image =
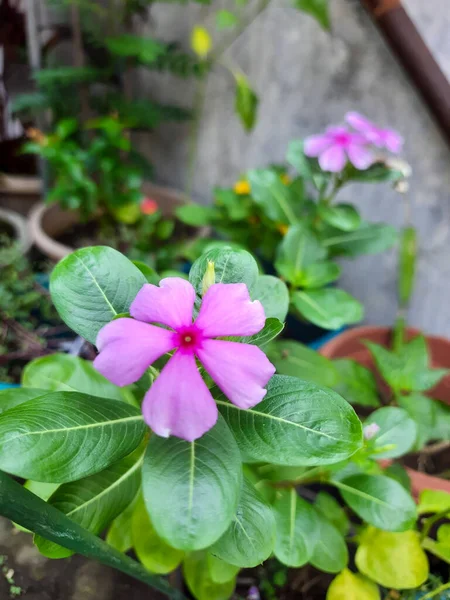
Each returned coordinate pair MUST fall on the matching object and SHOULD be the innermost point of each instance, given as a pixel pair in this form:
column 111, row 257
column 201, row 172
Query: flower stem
column 434, row 593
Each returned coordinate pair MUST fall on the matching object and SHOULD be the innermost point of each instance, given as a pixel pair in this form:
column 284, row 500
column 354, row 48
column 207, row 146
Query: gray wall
column 308, row 78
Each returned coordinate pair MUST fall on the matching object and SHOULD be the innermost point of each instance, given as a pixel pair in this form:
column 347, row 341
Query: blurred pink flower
column 149, row 206
column 370, row 431
column 179, row 402
column 382, row 138
column 337, row 145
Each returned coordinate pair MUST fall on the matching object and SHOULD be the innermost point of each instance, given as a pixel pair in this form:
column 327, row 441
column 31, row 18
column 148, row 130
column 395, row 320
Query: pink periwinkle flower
column 337, row 145
column 370, row 431
column 179, row 402
column 382, row 138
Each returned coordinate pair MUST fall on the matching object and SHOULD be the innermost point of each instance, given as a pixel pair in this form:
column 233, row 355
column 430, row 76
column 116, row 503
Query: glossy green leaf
column 199, row 580
column 393, row 560
column 379, row 500
column 40, row 489
column 91, row 286
column 152, row 551
column 23, row 507
column 379, row 172
column 423, row 411
column 95, row 501
column 330, row 508
column 352, row 586
column 64, row 436
column 192, row 489
column 150, row 274
column 400, row 474
column 219, row 570
column 319, row 9
column 342, row 216
column 119, row 533
column 225, row 20
column 369, row 238
column 230, row 266
column 271, row 329
column 441, row 546
column 329, row 308
column 10, row 398
column 246, row 102
column 330, row 552
column 273, row 197
column 273, row 295
column 65, row 373
column 295, row 359
column 297, row 423
column 307, row 167
column 319, row 274
column 296, row 528
column 355, row 383
column 299, row 249
column 196, row 215
column 397, row 433
column 250, row 538
column 433, row 501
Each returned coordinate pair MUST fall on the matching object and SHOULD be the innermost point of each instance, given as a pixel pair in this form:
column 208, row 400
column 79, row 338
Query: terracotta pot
column 19, row 192
column 19, row 229
column 50, row 221
column 350, row 344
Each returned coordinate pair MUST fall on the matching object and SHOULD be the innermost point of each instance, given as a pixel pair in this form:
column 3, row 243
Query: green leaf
column 246, row 102
column 94, row 502
column 370, row 238
column 295, row 359
column 10, row 398
column 397, row 432
column 225, row 20
column 356, row 383
column 199, row 580
column 329, row 308
column 379, row 172
column 297, row 423
column 307, row 167
column 319, row 274
column 230, row 266
column 271, row 329
column 219, row 570
column 23, row 507
column 423, row 411
column 119, row 533
column 406, row 370
column 296, row 528
column 330, row 552
column 342, row 216
column 67, row 76
column 273, row 295
column 393, row 560
column 91, row 286
column 233, row 203
column 318, row 9
column 407, row 264
column 144, row 49
column 195, row 214
column 333, row 511
column 191, row 489
column 150, row 274
column 399, row 473
column 379, row 500
column 299, row 249
column 151, row 550
column 272, row 196
column 65, row 373
column 249, row 540
column 352, row 586
column 440, row 547
column 433, row 501
column 64, row 436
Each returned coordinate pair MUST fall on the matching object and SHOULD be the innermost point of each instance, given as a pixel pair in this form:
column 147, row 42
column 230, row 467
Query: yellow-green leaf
column 352, row 586
column 393, row 560
column 433, row 501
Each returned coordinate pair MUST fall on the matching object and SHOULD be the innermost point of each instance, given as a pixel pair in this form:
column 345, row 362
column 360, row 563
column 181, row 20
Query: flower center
column 342, row 139
column 189, row 338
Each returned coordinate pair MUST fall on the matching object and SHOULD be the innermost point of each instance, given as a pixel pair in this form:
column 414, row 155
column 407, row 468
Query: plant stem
column 199, row 103
column 434, row 593
column 431, row 521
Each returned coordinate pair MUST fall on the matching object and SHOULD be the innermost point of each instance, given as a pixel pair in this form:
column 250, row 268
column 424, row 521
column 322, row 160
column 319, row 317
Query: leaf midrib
column 113, row 310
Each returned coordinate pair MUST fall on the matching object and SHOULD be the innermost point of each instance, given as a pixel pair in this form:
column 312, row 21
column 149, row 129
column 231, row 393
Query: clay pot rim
column 419, row 481
column 18, row 223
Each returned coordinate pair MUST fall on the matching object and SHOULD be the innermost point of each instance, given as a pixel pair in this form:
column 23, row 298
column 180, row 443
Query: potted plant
column 295, row 224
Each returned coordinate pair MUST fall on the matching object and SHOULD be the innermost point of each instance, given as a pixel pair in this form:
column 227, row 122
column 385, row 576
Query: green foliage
column 144, row 50
column 352, row 586
column 397, row 432
column 200, row 582
column 225, row 20
column 370, row 238
column 330, row 552
column 355, row 383
column 273, row 295
column 407, row 264
column 329, row 308
column 246, row 102
column 319, row 9
column 333, row 511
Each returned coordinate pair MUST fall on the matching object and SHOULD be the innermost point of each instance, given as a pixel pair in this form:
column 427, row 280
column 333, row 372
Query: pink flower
column 382, row 138
column 179, row 402
column 335, row 146
column 370, row 431
column 149, row 206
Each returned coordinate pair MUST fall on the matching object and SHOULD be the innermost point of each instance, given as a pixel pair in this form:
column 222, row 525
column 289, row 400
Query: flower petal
column 128, row 347
column 240, row 370
column 171, row 303
column 179, row 403
column 359, row 122
column 360, row 156
column 316, row 144
column 393, row 141
column 333, row 159
column 227, row 309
